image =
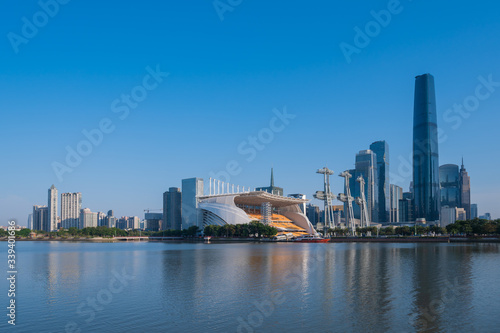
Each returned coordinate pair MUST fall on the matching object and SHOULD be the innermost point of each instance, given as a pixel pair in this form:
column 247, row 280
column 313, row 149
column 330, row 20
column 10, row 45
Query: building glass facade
column 381, row 150
column 192, row 188
column 425, row 150
column 449, row 179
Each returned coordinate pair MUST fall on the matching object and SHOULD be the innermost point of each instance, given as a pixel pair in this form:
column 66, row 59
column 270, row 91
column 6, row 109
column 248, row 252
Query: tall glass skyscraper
column 425, row 150
column 450, row 186
column 381, row 149
column 192, row 188
column 366, row 166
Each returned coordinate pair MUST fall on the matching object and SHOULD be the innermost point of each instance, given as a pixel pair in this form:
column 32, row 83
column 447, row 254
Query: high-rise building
column 313, row 214
column 88, row 219
column 395, row 195
column 406, row 210
column 192, row 188
column 102, row 219
column 473, row 211
column 172, row 215
column 71, row 205
column 122, row 223
column 465, row 190
column 52, row 206
column 133, row 222
column 381, row 150
column 41, row 218
column 366, row 166
column 30, row 221
column 449, row 180
column 153, row 221
column 425, row 150
column 271, row 188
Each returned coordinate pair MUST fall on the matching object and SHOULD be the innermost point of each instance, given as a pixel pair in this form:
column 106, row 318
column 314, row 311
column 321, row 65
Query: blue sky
column 225, row 78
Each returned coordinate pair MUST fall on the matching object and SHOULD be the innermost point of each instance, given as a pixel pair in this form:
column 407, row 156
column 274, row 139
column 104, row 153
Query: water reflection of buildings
column 441, row 300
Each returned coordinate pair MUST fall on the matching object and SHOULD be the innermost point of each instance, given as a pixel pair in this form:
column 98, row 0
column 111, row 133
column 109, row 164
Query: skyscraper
column 192, row 188
column 449, row 185
column 425, row 150
column 473, row 211
column 396, row 195
column 40, row 218
column 381, row 149
column 52, row 208
column 71, row 204
column 172, row 202
column 366, row 166
column 465, row 190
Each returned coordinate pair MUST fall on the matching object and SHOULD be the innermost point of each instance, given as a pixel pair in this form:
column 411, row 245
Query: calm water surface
column 194, row 287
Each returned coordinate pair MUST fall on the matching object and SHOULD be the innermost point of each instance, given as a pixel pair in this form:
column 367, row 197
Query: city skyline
column 228, row 99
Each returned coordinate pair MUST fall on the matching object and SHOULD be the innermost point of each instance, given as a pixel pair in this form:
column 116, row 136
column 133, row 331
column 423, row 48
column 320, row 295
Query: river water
column 251, row 287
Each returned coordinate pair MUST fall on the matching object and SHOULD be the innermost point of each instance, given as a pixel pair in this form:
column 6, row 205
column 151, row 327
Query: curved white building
column 283, row 213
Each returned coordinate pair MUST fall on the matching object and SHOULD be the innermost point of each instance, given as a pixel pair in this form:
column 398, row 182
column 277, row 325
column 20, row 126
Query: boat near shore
column 311, row 239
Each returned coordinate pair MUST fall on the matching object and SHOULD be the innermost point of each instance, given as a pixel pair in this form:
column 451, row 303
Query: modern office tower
column 299, row 196
column 41, row 218
column 88, row 219
column 366, row 166
column 71, row 205
column 449, row 180
column 381, row 149
column 52, row 206
column 473, row 211
column 271, row 188
column 110, row 213
column 406, row 210
column 153, row 221
column 172, row 202
column 133, row 222
column 395, row 195
column 30, row 221
column 465, row 190
column 192, row 188
column 425, row 150
column 313, row 214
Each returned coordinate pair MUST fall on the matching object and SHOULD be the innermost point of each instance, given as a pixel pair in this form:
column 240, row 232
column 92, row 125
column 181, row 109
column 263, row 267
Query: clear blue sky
column 226, row 77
